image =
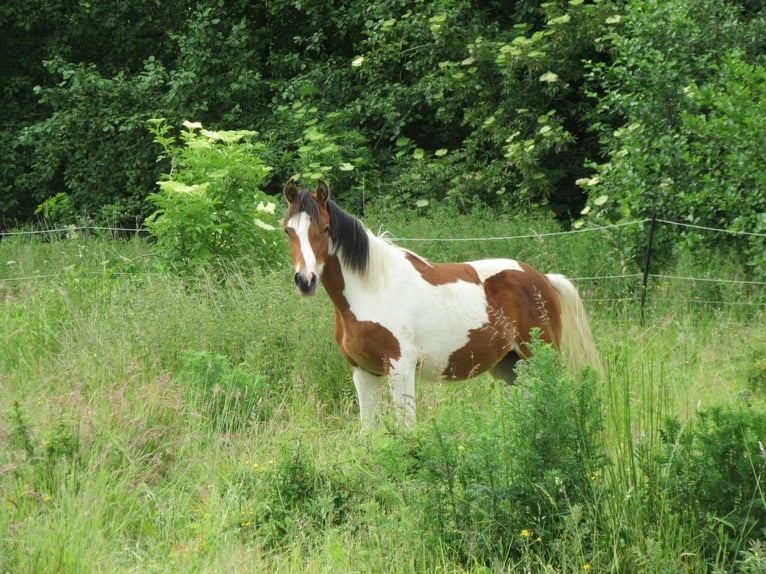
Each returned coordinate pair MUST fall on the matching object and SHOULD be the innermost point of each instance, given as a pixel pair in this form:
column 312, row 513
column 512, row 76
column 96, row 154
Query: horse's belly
column 480, row 351
column 456, row 341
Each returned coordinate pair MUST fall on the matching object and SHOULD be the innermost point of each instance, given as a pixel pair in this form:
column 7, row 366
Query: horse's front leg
column 401, row 380
column 369, row 391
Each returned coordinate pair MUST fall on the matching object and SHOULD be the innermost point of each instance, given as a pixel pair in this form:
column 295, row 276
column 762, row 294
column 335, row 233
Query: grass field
column 151, row 423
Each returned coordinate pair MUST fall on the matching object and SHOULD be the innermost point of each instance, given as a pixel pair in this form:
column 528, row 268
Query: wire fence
column 526, row 236
column 74, row 229
column 87, row 230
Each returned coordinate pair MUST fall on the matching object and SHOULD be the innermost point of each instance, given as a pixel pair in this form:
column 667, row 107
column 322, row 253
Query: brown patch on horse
column 332, row 279
column 485, row 347
column 514, row 308
column 531, row 303
column 443, row 273
column 364, row 344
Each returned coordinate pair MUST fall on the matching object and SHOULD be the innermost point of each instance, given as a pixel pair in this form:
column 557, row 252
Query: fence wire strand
column 707, row 279
column 704, row 228
column 526, row 236
column 72, row 228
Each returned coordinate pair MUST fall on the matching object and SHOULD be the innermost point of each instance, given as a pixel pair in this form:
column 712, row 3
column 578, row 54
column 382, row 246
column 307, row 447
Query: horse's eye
column 326, row 229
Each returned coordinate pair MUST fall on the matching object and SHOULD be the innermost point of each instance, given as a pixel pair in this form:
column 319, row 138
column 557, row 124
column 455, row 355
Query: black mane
column 350, row 237
column 348, row 234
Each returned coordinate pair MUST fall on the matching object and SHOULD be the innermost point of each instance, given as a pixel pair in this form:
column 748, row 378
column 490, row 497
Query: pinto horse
column 397, row 313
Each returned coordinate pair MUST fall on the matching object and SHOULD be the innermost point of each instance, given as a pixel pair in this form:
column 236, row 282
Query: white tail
column 576, row 339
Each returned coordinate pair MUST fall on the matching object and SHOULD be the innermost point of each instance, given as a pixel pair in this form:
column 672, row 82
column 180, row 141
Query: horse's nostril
column 305, row 284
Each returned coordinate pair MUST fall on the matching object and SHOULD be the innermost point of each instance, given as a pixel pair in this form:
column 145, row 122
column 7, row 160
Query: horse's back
column 489, row 312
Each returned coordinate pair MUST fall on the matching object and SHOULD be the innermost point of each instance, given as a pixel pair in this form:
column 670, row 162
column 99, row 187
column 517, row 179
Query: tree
column 683, row 99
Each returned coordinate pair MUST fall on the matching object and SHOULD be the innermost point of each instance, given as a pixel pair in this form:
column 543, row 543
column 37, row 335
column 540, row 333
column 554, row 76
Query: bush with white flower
column 210, row 209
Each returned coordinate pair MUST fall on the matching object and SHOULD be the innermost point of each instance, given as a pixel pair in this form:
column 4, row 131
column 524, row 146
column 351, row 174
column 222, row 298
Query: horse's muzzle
column 306, row 284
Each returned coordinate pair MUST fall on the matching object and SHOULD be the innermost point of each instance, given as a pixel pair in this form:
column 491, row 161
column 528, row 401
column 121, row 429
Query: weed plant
column 504, row 480
column 151, row 423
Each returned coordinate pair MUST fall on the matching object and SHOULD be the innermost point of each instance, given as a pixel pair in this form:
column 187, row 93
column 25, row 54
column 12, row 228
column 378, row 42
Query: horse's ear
column 291, row 191
column 322, row 192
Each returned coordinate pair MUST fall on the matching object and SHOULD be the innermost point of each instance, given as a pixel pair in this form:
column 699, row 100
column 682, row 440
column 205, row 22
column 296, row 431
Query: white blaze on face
column 300, row 224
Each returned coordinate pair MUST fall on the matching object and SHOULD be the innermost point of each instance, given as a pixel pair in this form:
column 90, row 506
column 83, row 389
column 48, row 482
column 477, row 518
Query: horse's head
column 307, row 224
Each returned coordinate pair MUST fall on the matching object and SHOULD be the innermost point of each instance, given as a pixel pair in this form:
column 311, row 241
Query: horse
column 397, row 314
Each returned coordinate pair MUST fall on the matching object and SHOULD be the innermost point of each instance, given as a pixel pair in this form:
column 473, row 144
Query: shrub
column 309, row 144
column 210, row 208
column 93, row 145
column 496, row 479
column 679, row 115
column 715, row 468
column 491, row 111
column 283, row 500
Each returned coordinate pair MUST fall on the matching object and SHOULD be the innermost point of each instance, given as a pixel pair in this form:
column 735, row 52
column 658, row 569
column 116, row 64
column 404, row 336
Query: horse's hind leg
column 506, row 368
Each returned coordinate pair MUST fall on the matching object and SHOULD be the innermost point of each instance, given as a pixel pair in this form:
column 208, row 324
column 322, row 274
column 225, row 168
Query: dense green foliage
column 648, row 107
column 716, row 468
column 687, row 82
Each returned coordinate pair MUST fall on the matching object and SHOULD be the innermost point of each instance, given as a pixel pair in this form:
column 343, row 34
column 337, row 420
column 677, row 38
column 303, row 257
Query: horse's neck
column 341, row 282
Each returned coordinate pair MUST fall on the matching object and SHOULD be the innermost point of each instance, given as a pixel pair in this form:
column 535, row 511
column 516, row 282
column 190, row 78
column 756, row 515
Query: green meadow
column 151, row 422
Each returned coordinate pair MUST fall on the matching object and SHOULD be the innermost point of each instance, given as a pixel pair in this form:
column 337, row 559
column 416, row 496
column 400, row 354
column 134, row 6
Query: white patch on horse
column 486, row 268
column 430, row 321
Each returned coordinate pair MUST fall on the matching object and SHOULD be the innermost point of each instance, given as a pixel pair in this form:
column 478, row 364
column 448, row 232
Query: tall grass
column 150, row 423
